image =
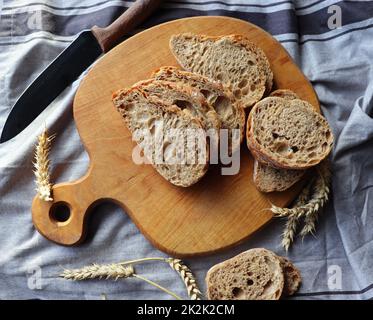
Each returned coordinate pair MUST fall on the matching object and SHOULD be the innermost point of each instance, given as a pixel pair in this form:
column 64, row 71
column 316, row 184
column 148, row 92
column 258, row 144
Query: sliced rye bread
column 284, row 93
column 233, row 60
column 255, row 274
column 292, row 277
column 183, row 96
column 288, row 134
column 229, row 110
column 269, row 179
column 141, row 114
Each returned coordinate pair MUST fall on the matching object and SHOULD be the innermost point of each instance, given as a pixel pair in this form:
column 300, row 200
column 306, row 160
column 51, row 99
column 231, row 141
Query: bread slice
column 255, row 274
column 292, row 277
column 288, row 133
column 232, row 60
column 183, row 96
column 143, row 114
column 284, row 93
column 229, row 110
column 269, row 179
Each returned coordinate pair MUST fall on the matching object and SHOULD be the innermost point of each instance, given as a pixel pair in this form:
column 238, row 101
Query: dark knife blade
column 70, row 64
column 67, row 67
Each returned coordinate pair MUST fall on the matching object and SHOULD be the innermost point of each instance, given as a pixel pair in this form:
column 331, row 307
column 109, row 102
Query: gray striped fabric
column 337, row 263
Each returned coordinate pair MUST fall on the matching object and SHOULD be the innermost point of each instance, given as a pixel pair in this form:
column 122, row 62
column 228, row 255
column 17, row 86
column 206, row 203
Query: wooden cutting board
column 216, row 213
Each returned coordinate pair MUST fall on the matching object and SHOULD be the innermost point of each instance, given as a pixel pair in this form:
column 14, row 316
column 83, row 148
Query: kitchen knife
column 71, row 63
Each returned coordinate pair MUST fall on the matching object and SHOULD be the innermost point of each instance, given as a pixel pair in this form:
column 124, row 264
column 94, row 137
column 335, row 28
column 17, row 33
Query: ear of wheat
column 113, row 271
column 188, row 278
column 96, row 271
column 321, row 191
column 41, row 166
column 306, row 206
column 293, row 220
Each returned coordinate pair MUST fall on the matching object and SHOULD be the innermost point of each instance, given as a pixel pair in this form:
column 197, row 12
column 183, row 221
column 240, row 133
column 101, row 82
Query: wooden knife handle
column 109, row 36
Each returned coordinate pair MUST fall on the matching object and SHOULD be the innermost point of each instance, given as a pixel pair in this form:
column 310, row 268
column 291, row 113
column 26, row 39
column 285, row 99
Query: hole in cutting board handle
column 60, row 213
column 63, row 220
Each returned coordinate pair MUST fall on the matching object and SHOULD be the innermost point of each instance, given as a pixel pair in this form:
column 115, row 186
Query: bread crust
column 268, row 179
column 292, row 277
column 284, row 93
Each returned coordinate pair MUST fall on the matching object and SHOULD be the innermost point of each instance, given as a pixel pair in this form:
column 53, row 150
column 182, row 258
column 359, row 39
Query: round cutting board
column 217, row 212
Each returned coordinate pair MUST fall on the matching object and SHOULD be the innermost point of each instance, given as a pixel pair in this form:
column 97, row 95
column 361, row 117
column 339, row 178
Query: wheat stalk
column 41, row 166
column 305, row 206
column 321, row 191
column 158, row 286
column 289, row 232
column 109, row 271
column 187, row 276
column 293, row 220
column 309, row 225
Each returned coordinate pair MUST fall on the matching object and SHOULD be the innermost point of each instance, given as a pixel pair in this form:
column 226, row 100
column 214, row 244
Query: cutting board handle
column 108, row 37
column 63, row 219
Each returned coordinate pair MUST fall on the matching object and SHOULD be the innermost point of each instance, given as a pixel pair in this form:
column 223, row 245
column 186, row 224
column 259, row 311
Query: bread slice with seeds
column 233, row 60
column 146, row 117
column 229, row 110
column 288, row 134
column 255, row 274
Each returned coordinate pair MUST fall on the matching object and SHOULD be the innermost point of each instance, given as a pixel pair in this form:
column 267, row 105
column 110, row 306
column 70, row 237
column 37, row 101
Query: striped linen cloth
column 337, row 263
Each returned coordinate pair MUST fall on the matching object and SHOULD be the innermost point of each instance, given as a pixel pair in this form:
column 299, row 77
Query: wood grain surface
column 216, row 213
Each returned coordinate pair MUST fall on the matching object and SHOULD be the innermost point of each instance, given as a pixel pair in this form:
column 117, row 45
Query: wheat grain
column 309, row 225
column 188, row 278
column 321, row 191
column 293, row 220
column 289, row 232
column 41, row 166
column 305, row 206
column 96, row 271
